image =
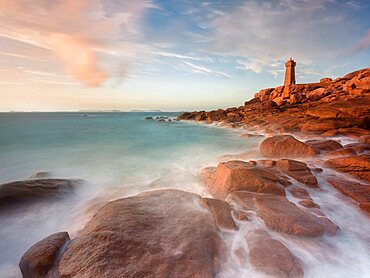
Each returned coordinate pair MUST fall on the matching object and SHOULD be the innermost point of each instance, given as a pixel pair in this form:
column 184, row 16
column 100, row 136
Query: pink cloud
column 79, row 58
column 76, row 31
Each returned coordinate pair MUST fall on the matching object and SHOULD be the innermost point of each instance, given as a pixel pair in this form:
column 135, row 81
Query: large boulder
column 38, row 261
column 162, row 233
column 271, row 256
column 239, row 175
column 21, row 192
column 297, row 170
column 286, row 146
column 356, row 165
column 283, row 216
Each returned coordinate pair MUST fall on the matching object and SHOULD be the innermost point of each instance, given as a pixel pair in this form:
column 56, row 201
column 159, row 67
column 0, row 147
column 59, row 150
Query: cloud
column 80, row 33
column 207, row 71
column 255, row 66
column 260, row 33
column 79, row 58
column 181, row 56
column 363, row 43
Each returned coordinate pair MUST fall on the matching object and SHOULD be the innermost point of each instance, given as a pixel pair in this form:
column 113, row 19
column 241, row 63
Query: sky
column 67, row 55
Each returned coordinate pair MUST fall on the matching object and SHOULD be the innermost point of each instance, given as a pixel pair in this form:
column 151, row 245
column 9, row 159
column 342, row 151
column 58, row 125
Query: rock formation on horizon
column 331, row 107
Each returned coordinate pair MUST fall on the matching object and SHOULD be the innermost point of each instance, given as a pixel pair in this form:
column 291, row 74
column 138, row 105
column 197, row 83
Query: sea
column 116, row 154
column 119, row 154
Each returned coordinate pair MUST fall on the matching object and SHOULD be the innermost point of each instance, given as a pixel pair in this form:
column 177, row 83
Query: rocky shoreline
column 173, row 233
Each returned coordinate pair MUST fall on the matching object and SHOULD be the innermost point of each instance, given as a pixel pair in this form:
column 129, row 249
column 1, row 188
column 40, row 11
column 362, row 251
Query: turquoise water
column 110, row 145
column 110, row 151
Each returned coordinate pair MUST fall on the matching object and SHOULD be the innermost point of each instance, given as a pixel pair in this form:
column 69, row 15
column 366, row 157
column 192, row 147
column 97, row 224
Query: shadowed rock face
column 40, row 258
column 20, row 192
column 164, row 233
column 287, row 146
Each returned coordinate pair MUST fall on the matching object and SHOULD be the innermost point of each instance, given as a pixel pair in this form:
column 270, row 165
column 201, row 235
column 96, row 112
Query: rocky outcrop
column 280, row 146
column 330, row 107
column 271, row 256
column 239, row 175
column 22, row 192
column 356, row 165
column 163, row 233
column 39, row 260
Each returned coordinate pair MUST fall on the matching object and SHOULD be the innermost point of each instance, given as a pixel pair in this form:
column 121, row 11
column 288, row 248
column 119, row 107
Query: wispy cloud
column 261, row 32
column 205, row 70
column 182, row 57
column 16, row 55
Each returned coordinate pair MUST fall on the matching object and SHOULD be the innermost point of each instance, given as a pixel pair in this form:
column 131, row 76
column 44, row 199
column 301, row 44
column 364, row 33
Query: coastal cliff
column 329, row 107
column 312, row 138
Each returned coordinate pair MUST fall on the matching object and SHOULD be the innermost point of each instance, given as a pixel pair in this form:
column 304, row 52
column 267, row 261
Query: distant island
column 143, row 110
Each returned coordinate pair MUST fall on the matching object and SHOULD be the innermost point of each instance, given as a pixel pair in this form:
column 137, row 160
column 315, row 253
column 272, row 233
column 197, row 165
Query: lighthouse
column 289, row 72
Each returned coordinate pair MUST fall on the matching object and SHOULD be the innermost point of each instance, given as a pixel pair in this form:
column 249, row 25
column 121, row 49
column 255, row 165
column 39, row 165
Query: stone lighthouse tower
column 289, row 72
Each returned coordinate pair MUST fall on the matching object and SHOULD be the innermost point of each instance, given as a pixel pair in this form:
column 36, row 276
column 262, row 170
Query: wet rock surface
column 283, row 216
column 163, row 233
